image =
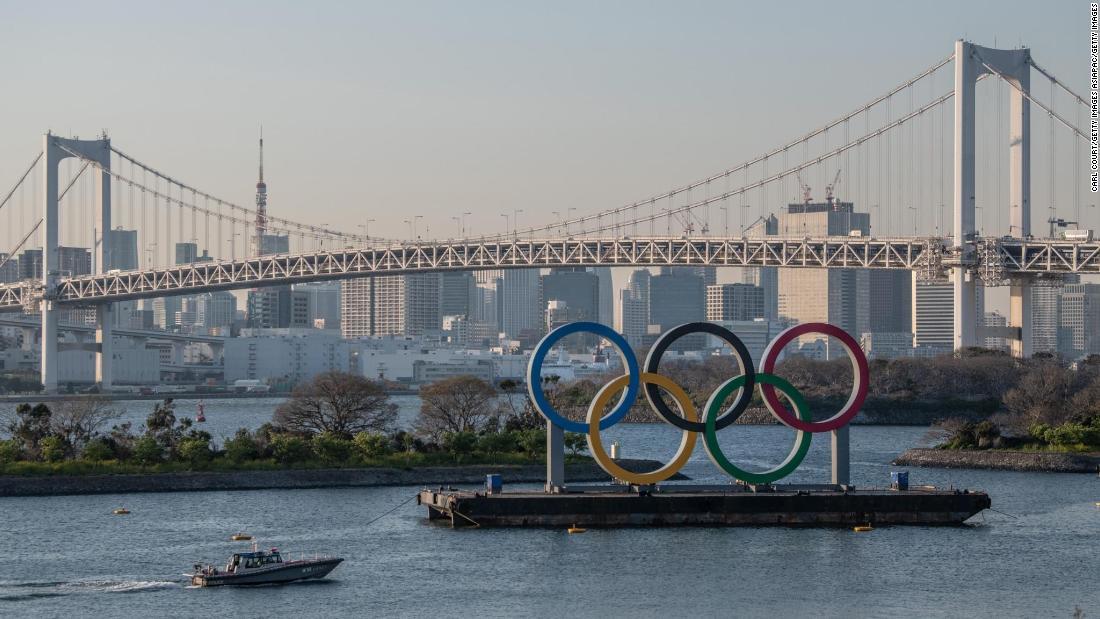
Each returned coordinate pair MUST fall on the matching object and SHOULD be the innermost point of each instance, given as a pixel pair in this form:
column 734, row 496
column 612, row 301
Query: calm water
column 223, row 417
column 69, row 556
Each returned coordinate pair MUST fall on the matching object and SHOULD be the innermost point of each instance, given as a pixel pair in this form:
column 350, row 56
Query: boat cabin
column 253, row 560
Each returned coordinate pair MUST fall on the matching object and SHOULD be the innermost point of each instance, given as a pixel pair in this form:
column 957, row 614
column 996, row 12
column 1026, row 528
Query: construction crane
column 1059, row 222
column 806, row 198
column 832, row 187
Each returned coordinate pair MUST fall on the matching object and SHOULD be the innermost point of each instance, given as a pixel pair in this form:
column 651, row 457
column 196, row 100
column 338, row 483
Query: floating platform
column 735, row 505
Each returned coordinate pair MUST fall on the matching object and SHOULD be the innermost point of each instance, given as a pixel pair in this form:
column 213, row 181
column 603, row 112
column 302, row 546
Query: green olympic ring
column 710, row 434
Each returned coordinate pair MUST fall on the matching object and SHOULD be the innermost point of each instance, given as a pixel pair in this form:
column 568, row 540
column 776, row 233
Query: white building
column 286, row 355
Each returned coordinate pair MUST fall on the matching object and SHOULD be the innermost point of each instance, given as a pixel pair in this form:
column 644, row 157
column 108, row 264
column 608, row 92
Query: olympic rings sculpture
column 647, row 380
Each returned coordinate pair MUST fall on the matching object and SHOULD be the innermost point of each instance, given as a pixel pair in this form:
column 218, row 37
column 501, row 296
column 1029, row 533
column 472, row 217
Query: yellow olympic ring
column 595, row 446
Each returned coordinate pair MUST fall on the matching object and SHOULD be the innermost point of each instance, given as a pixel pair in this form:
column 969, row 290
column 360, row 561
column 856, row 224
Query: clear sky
column 382, row 110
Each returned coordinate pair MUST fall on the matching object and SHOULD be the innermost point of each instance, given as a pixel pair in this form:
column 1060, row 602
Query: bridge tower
column 971, row 62
column 54, row 149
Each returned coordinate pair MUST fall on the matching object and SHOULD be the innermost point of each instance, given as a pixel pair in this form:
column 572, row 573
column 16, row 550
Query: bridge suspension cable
column 670, row 212
column 1027, row 96
column 822, row 130
column 287, row 225
column 1058, row 83
column 19, row 183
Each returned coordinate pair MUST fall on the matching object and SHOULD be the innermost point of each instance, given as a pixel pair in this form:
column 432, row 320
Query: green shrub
column 289, row 449
column 533, row 442
column 9, row 451
column 576, row 443
column 242, row 447
column 459, row 444
column 98, row 450
column 372, row 445
column 332, row 449
column 52, row 449
column 194, row 451
column 498, row 443
column 147, row 451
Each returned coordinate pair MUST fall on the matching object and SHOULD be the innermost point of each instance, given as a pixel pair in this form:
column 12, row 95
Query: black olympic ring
column 744, row 362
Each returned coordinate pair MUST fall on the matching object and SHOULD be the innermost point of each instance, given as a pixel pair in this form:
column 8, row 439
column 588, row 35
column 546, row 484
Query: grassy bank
column 410, row 461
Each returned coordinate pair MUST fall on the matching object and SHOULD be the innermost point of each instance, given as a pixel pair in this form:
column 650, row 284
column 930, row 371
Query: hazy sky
column 382, row 110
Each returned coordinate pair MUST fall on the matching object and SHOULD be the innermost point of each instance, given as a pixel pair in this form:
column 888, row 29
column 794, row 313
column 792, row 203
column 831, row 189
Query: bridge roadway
column 995, row 260
column 117, row 331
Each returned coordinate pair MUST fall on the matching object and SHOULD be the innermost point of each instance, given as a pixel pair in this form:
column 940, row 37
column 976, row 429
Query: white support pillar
column 54, row 149
column 104, row 262
column 104, row 348
column 50, row 263
column 555, row 457
column 971, row 62
column 965, row 320
column 1019, row 315
column 842, row 459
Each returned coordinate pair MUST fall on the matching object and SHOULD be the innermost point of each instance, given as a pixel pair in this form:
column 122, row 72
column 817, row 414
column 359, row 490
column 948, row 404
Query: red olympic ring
column 860, row 378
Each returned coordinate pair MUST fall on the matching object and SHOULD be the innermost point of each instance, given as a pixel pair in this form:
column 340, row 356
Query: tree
column 147, row 450
column 1043, row 394
column 372, row 444
column 332, row 449
column 576, row 443
column 97, row 450
column 79, row 421
column 288, row 449
column 162, row 426
column 242, row 446
column 459, row 443
column 30, row 426
column 194, row 450
column 337, row 402
column 458, row 404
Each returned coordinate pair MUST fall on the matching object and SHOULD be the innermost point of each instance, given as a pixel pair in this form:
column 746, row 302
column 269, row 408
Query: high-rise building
column 390, row 305
column 274, row 244
column 166, row 312
column 187, row 253
column 518, row 304
column 709, row 274
column 324, row 303
column 934, row 313
column 634, row 307
column 821, row 295
column 124, row 249
column 677, row 296
column 356, row 299
column 577, row 288
column 1080, row 320
column 766, row 278
column 457, row 293
column 607, row 295
column 271, row 307
column 215, row 312
column 278, row 308
column 734, row 302
column 1046, row 311
column 9, row 269
column 885, row 301
column 994, row 342
column 30, row 264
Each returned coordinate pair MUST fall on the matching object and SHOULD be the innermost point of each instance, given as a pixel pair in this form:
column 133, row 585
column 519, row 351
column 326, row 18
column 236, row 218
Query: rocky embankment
column 13, row 486
column 1001, row 459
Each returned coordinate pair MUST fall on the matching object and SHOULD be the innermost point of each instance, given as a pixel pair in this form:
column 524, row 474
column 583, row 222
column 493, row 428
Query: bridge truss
column 1001, row 259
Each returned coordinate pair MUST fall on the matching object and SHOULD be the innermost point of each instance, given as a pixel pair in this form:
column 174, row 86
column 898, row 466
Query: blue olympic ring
column 534, row 375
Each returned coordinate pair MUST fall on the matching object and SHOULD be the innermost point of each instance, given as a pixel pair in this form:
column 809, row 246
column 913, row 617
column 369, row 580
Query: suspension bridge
column 892, row 149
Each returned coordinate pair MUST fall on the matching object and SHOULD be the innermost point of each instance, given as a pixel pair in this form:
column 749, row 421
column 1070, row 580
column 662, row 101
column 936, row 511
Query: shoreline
column 296, row 479
column 1000, row 460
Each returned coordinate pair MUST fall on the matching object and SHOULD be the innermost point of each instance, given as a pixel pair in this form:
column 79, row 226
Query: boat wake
column 19, row 591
